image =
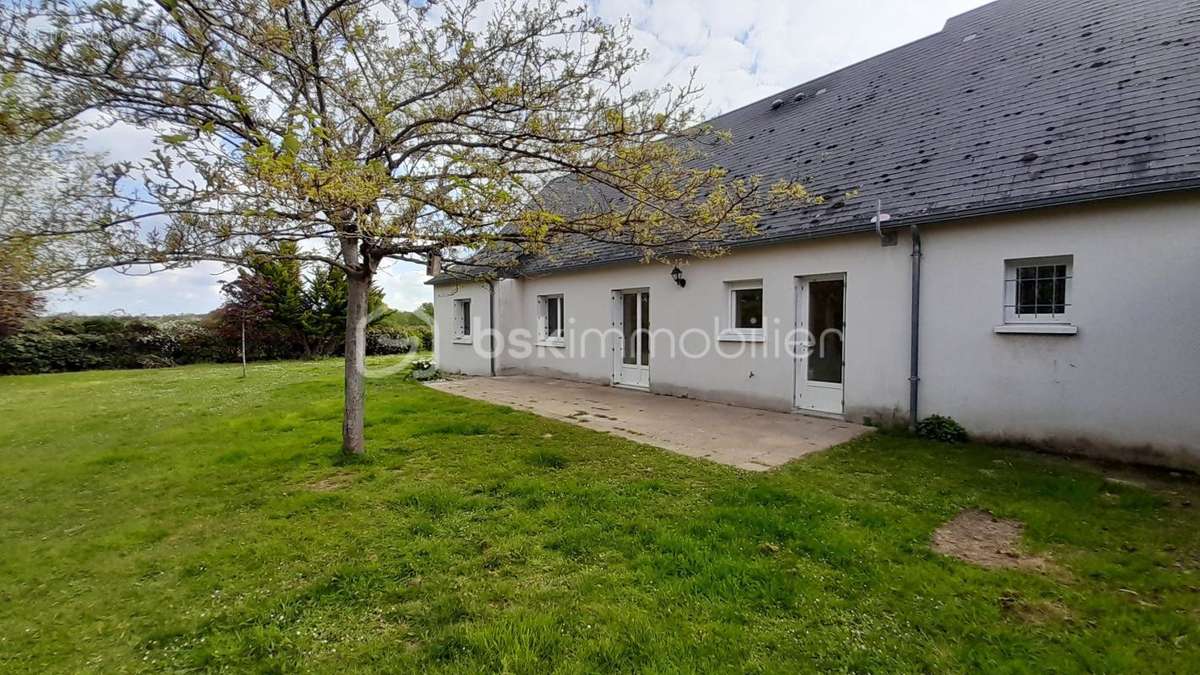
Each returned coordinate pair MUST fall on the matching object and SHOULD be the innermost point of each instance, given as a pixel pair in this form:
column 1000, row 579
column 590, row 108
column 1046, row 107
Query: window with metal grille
column 1038, row 290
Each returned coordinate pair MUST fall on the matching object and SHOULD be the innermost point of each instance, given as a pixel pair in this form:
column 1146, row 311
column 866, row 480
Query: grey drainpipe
column 915, row 337
column 492, row 325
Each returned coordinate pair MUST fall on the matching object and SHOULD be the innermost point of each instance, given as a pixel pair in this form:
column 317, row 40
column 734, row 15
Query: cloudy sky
column 745, row 50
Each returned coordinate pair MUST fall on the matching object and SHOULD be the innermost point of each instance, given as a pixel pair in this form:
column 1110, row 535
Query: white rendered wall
column 461, row 356
column 1128, row 384
column 876, row 324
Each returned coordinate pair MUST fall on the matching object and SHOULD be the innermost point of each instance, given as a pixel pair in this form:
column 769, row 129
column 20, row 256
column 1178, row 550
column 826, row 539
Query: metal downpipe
column 492, row 326
column 914, row 378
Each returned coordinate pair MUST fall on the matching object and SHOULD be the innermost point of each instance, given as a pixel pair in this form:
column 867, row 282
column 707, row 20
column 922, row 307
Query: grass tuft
column 345, row 459
column 547, row 459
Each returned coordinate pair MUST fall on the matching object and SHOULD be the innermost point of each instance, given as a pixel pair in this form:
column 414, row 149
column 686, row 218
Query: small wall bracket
column 888, row 238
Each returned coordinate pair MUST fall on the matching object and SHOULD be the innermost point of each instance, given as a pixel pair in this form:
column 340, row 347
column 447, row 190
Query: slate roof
column 1015, row 105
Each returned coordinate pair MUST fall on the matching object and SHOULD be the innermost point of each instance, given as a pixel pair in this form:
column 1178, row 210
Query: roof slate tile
column 1050, row 101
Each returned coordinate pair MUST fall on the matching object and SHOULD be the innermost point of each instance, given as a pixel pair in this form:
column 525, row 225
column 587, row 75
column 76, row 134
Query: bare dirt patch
column 330, row 483
column 982, row 539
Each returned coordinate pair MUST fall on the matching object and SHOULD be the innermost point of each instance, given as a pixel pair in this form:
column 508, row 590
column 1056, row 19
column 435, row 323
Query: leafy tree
column 16, row 308
column 44, row 177
column 296, row 316
column 327, row 300
column 421, row 316
column 276, row 277
column 372, row 129
column 17, row 305
column 247, row 310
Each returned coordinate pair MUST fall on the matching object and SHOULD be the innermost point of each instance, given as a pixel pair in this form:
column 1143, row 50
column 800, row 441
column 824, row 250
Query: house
column 1036, row 275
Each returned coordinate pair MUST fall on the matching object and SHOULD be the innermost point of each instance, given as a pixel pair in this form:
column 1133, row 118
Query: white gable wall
column 454, row 354
column 1128, row 382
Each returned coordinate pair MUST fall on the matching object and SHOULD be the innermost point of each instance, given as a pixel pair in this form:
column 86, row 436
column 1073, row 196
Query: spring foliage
column 368, row 130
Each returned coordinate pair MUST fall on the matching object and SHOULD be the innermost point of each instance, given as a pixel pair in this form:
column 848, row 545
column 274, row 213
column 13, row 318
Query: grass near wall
column 186, row 519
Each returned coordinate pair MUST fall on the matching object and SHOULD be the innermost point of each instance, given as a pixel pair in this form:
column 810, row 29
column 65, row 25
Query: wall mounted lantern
column 677, row 275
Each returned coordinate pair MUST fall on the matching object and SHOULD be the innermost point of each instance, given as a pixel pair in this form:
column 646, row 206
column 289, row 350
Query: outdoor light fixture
column 677, row 275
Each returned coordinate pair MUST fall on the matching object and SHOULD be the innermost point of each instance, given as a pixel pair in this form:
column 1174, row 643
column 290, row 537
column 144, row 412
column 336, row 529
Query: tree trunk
column 356, row 367
column 243, row 347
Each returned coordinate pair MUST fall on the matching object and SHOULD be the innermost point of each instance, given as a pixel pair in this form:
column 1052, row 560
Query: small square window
column 1038, row 290
column 746, row 320
column 462, row 318
column 551, row 319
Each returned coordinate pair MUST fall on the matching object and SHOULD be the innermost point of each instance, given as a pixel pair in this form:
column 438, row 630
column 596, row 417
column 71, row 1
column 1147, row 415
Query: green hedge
column 398, row 339
column 91, row 343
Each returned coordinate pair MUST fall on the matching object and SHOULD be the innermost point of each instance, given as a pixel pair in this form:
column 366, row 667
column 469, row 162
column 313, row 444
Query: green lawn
column 187, row 519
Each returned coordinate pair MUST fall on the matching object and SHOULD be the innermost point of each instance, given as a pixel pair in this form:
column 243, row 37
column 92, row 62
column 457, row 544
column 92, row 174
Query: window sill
column 462, row 340
column 552, row 343
column 1037, row 329
column 742, row 336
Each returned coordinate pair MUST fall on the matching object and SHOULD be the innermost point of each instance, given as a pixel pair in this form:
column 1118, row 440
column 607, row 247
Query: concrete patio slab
column 754, row 440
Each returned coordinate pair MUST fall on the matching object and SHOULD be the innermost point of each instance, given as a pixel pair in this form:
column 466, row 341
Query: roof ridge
column 958, row 19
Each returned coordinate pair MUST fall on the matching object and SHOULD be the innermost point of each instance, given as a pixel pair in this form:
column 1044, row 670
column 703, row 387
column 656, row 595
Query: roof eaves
column 927, row 218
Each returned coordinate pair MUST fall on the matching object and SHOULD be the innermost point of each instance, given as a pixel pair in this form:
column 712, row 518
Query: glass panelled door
column 631, row 367
column 820, row 363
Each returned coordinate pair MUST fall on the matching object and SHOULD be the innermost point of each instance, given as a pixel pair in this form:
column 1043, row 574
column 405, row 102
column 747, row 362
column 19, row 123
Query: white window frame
column 1053, row 323
column 462, row 320
column 731, row 333
column 544, row 336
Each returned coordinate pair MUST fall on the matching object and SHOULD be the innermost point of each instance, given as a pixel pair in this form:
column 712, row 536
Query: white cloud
column 780, row 43
column 745, row 50
column 121, row 142
column 195, row 289
column 403, row 284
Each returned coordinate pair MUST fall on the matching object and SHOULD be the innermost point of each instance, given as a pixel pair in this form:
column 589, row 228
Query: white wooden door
column 631, row 362
column 820, row 359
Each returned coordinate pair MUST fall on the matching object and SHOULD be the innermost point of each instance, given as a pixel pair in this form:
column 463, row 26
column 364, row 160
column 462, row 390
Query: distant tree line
column 286, row 314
